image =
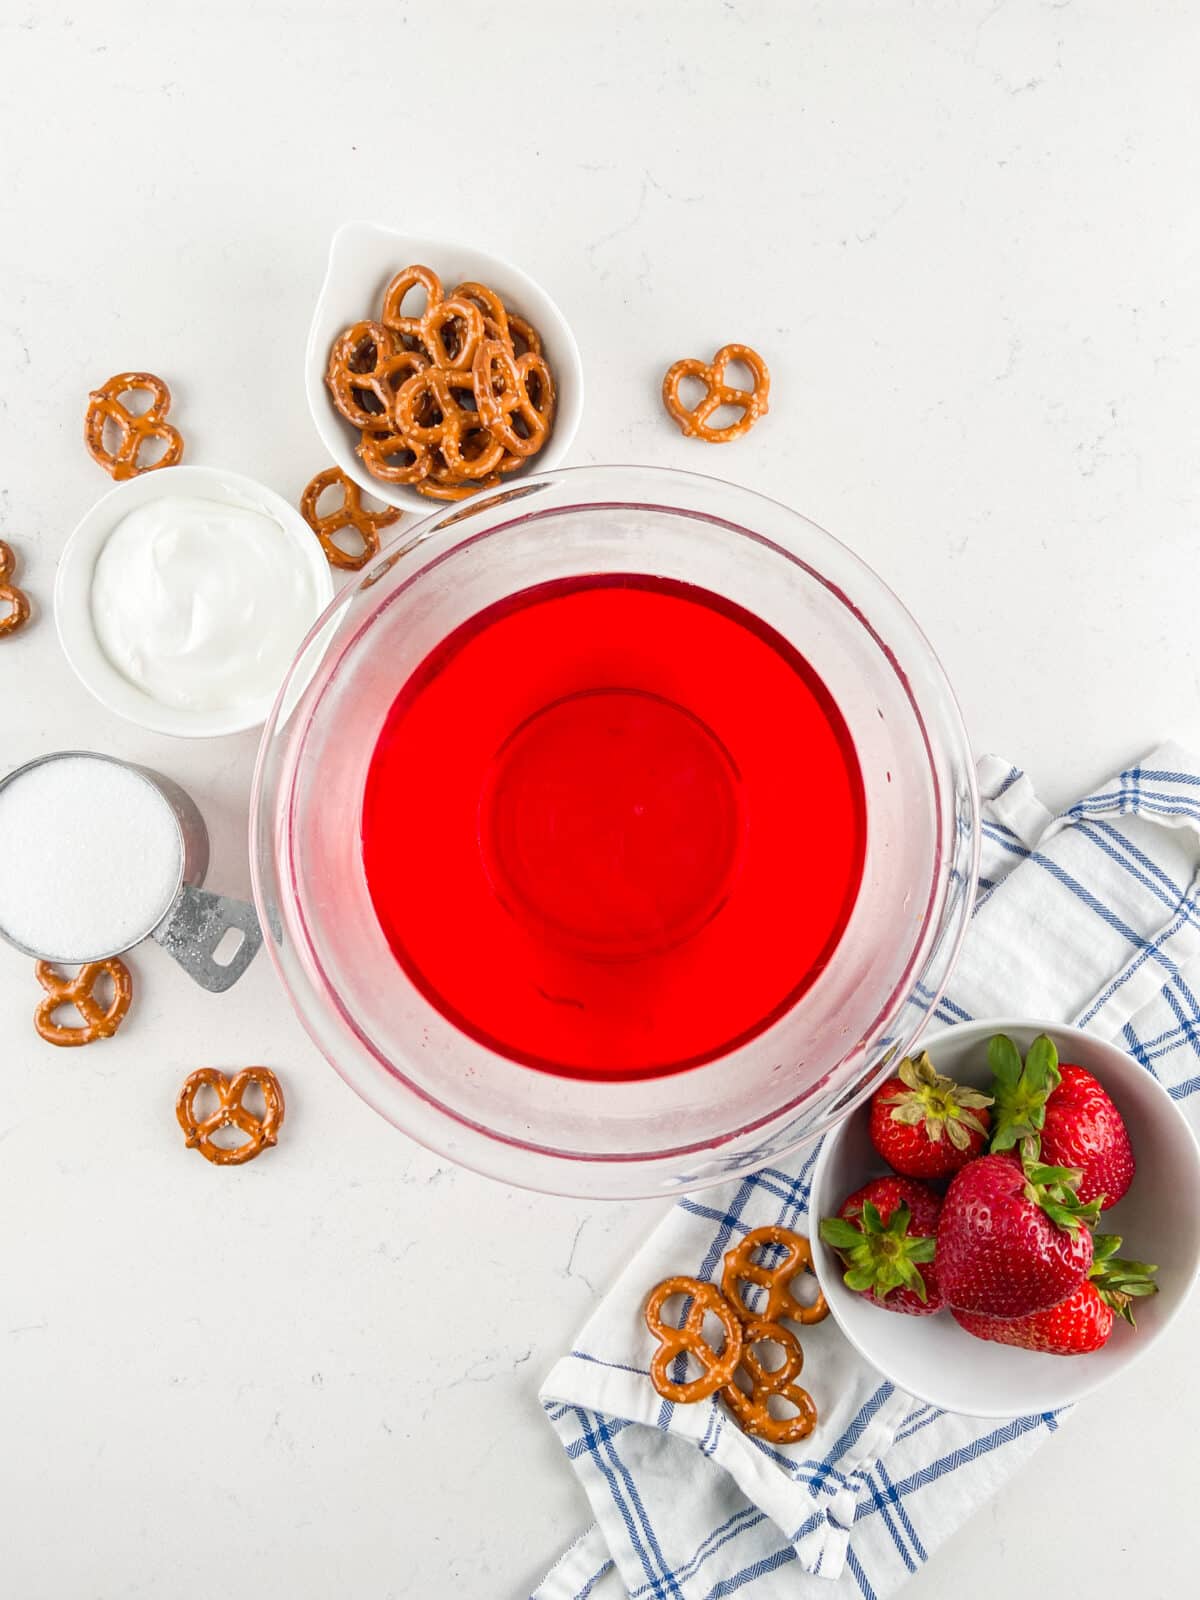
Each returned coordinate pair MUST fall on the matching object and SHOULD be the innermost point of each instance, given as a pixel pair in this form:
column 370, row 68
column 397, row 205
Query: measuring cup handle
column 195, row 926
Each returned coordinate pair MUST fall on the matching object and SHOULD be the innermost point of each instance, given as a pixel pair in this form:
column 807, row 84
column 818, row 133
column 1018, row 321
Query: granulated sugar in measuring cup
column 98, row 855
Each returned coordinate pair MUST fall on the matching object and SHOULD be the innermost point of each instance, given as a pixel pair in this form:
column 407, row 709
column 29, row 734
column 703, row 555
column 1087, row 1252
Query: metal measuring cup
column 196, row 920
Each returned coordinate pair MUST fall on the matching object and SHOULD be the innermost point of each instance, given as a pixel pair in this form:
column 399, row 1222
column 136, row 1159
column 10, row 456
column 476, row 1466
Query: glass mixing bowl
column 765, row 1096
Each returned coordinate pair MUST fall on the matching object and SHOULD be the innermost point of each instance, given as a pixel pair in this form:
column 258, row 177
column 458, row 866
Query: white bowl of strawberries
column 1018, row 1193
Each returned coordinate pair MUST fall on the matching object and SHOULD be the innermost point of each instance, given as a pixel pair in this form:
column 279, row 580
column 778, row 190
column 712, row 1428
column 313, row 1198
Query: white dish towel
column 1091, row 917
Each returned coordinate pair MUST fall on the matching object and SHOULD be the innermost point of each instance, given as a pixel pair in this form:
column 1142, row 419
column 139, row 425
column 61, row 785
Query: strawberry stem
column 1054, row 1190
column 1021, row 1091
column 937, row 1102
column 880, row 1256
column 1118, row 1280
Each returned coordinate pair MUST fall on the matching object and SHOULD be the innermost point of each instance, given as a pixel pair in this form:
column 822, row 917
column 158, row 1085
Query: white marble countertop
column 965, row 237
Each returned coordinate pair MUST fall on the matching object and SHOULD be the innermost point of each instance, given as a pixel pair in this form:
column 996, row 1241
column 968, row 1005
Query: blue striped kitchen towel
column 1092, row 916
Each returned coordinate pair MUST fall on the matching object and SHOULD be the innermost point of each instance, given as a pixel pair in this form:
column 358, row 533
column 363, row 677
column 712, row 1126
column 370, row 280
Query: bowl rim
column 334, row 432
column 72, row 588
column 824, row 1258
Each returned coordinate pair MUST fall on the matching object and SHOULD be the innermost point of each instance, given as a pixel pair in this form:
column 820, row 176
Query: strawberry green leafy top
column 942, row 1105
column 878, row 1255
column 1022, row 1090
column 1117, row 1281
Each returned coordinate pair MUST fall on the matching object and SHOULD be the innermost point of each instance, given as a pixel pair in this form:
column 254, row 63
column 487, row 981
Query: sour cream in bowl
column 183, row 596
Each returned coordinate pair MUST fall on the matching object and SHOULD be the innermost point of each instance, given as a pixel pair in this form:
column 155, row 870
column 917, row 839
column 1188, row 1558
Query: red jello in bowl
column 613, row 831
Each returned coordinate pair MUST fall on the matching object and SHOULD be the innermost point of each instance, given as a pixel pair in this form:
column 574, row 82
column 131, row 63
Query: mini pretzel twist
column 438, row 489
column 16, row 599
column 514, row 398
column 104, row 405
column 752, row 1410
column 492, row 309
column 99, row 1022
column 717, row 1369
column 230, row 1113
column 434, row 416
column 398, row 290
column 360, row 374
column 351, row 513
column 448, row 331
column 467, row 452
column 523, row 336
column 751, row 402
column 740, row 1267
column 392, row 458
column 428, row 409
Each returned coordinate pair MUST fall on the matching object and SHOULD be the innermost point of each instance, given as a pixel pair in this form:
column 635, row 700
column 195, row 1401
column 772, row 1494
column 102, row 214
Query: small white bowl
column 73, row 586
column 363, row 258
column 1158, row 1220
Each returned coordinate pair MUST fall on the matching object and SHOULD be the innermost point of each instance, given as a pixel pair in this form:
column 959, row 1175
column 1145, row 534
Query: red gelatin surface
column 613, row 826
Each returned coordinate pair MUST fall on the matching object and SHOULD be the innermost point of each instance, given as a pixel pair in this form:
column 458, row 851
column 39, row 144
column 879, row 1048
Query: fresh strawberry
column 1011, row 1237
column 1059, row 1114
column 1083, row 1321
column 927, row 1126
column 885, row 1235
column 1084, row 1129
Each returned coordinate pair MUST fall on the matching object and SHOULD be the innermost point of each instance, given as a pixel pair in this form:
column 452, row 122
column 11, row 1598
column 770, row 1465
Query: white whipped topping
column 201, row 603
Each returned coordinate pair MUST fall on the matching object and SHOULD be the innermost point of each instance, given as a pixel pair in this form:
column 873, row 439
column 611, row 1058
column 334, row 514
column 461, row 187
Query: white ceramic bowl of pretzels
column 431, row 385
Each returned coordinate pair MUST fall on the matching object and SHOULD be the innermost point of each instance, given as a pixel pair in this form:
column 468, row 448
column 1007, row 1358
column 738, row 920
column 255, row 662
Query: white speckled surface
column 965, row 237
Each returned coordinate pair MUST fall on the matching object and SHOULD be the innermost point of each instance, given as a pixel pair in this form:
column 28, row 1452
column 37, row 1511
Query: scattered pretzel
column 717, row 1369
column 350, row 514
column 743, row 1330
column 448, row 402
column 752, row 1410
column 740, row 1267
column 104, row 405
column 751, row 402
column 16, row 599
column 99, row 1022
column 231, row 1112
